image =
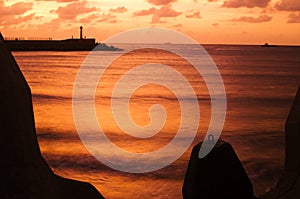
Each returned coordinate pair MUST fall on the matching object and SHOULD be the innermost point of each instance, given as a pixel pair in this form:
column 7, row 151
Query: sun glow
column 211, row 21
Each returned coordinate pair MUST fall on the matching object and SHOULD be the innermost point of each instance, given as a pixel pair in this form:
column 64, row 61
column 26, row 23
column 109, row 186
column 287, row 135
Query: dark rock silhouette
column 219, row 175
column 288, row 186
column 23, row 171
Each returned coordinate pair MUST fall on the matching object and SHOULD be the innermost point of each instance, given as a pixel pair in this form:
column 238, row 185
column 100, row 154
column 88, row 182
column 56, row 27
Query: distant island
column 73, row 44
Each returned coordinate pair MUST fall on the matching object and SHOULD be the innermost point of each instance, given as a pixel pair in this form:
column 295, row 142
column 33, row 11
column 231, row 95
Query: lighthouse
column 81, row 32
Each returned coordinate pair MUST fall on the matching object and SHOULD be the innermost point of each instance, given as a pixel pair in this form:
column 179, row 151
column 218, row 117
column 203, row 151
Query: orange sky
column 207, row 21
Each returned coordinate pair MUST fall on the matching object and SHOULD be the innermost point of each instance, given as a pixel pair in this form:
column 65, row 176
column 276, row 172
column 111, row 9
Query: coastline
column 58, row 45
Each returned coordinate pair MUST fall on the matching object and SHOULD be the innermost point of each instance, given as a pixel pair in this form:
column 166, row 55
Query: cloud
column 109, row 17
column 15, row 9
column 259, row 19
column 245, row 3
column 113, row 21
column 294, row 18
column 149, row 11
column 288, row 5
column 215, row 24
column 10, row 21
column 167, row 11
column 164, row 12
column 89, row 18
column 177, row 25
column 65, row 1
column 15, row 15
column 161, row 2
column 193, row 14
column 118, row 10
column 71, row 11
column 212, row 0
column 106, row 17
column 51, row 26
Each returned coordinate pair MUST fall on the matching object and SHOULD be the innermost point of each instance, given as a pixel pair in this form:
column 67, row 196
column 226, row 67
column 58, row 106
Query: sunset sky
column 206, row 21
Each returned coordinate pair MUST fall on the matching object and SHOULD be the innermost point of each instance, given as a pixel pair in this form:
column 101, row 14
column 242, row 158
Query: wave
column 230, row 96
column 57, row 136
column 39, row 96
column 86, row 163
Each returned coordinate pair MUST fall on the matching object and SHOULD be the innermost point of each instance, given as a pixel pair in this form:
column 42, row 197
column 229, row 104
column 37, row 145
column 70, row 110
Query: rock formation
column 288, row 186
column 24, row 173
column 219, row 175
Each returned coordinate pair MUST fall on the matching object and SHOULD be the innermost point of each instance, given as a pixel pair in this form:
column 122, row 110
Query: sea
column 260, row 84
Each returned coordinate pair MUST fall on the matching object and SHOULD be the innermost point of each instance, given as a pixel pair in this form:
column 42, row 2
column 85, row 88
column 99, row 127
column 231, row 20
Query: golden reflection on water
column 145, row 97
column 52, row 83
column 260, row 85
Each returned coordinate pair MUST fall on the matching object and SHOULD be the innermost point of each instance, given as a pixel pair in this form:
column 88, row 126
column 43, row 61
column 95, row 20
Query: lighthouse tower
column 81, row 32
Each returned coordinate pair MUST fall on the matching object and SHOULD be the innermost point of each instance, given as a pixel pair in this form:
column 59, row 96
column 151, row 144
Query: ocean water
column 260, row 86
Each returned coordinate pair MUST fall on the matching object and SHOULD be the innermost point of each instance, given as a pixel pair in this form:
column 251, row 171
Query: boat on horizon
column 268, row 45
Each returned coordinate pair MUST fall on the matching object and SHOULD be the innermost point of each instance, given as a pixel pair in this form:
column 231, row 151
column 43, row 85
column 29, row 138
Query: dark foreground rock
column 23, row 171
column 288, row 186
column 219, row 175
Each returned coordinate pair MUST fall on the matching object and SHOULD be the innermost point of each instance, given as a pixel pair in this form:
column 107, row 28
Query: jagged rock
column 24, row 173
column 219, row 175
column 292, row 126
column 288, row 187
